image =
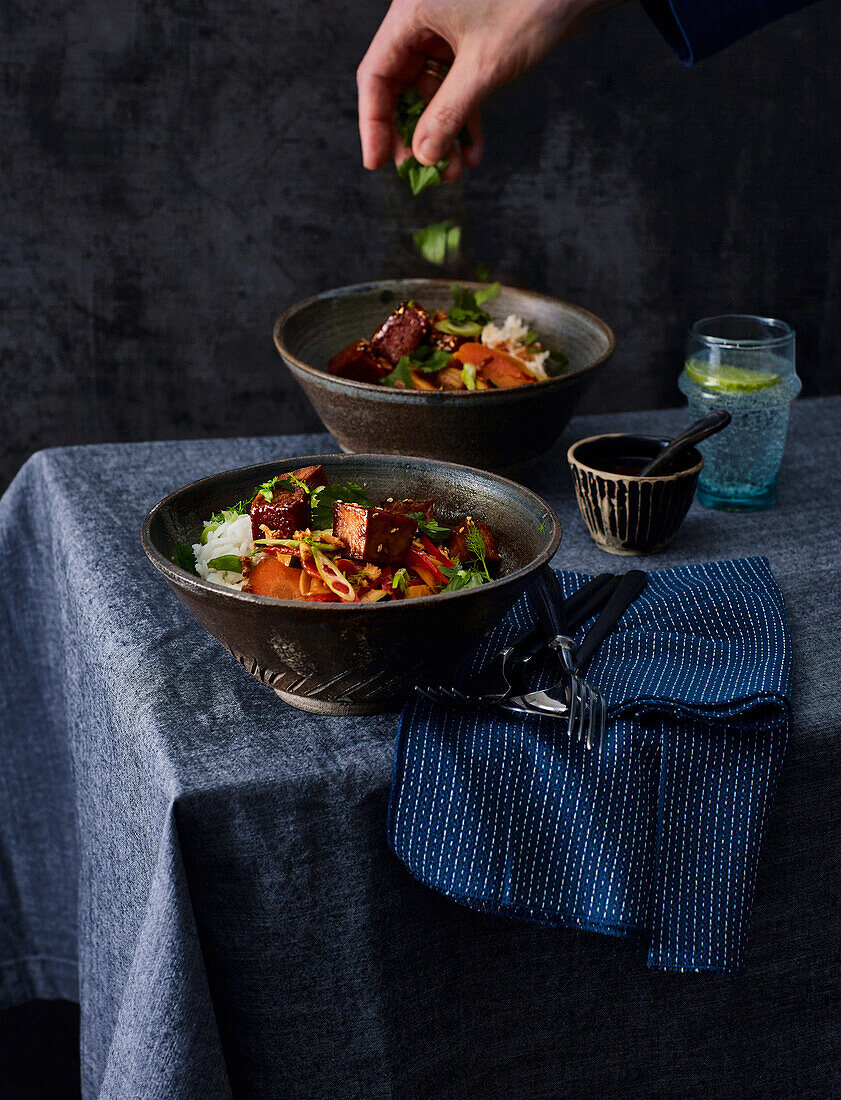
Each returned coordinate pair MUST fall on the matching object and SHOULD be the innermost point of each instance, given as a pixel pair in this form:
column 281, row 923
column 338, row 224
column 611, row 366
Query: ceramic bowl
column 627, row 514
column 492, row 429
column 357, row 658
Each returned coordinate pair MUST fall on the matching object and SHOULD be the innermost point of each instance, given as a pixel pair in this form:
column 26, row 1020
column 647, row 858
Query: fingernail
column 426, row 153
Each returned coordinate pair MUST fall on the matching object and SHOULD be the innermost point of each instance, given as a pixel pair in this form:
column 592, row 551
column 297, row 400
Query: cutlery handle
column 595, row 601
column 583, row 597
column 548, row 598
column 629, row 587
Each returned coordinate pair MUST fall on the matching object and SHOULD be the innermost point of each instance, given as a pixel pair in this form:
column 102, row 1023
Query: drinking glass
column 746, row 365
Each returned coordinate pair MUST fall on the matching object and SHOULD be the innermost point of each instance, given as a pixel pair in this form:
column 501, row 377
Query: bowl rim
column 575, row 462
column 183, row 579
column 439, row 395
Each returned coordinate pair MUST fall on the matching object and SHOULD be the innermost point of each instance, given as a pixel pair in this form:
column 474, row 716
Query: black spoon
column 708, row 425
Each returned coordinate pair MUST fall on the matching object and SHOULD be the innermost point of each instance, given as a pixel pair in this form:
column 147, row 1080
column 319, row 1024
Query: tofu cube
column 373, row 534
column 401, row 333
column 359, row 363
column 457, row 545
column 289, row 509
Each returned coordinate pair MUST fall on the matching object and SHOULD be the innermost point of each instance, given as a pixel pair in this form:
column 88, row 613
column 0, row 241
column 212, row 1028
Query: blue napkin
column 655, row 838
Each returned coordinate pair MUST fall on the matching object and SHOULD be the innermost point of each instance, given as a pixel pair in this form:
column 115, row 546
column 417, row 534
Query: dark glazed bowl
column 493, row 429
column 357, row 658
column 626, row 514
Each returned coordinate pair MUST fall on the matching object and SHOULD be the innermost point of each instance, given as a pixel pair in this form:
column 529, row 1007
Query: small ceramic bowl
column 625, row 513
column 506, row 429
column 357, row 658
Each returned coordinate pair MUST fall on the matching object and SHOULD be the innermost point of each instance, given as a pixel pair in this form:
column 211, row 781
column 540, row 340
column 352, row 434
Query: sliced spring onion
column 459, row 328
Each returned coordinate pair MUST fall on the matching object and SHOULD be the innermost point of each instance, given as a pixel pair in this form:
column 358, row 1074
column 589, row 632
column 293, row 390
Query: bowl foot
column 333, row 706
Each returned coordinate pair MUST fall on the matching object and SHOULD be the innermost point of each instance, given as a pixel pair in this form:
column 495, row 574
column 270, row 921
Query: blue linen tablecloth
column 654, row 838
column 207, row 870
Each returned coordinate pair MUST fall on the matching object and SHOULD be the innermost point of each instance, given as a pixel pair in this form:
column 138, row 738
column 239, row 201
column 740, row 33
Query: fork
column 493, row 682
column 585, row 706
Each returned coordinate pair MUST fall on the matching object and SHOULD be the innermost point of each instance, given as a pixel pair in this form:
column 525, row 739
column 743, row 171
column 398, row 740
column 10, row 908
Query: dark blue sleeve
column 695, row 29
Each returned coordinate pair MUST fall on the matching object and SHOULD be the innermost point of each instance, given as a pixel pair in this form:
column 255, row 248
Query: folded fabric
column 657, row 836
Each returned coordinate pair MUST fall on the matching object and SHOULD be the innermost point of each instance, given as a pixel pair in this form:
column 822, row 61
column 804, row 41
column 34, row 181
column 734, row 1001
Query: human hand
column 487, row 44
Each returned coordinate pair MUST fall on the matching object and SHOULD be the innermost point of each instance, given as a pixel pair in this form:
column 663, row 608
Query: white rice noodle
column 231, row 537
column 510, row 338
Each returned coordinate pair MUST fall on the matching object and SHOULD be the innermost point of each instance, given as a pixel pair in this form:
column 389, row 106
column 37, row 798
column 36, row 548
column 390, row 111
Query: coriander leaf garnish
column 184, row 557
column 461, row 576
column 466, row 305
column 401, row 376
column 430, row 527
column 438, row 360
column 266, row 490
column 325, row 496
column 420, row 176
column 229, row 563
column 410, row 106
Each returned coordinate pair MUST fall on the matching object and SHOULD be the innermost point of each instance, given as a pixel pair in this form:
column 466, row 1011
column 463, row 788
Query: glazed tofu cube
column 286, row 513
column 359, row 363
column 288, row 510
column 403, row 507
column 457, row 545
column 373, row 534
column 401, row 333
column 312, row 476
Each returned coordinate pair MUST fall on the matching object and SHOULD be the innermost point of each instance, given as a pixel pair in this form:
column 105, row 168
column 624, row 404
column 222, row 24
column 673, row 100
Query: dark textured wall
column 175, row 172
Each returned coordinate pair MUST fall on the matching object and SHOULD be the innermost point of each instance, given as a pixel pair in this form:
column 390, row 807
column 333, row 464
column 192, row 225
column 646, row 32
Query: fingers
column 391, row 63
column 472, row 154
column 456, row 100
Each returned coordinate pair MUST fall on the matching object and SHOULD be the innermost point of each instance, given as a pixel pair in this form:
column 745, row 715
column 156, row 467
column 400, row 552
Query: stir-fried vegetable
column 344, row 548
column 457, row 349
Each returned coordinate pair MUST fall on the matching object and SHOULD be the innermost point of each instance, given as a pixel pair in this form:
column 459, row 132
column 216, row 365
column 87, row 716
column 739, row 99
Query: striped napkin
column 655, row 838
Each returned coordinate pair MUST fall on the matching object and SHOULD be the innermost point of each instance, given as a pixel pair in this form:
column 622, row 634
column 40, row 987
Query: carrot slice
column 270, row 577
column 497, row 367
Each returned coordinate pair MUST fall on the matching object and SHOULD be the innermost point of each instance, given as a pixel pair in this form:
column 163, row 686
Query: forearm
column 696, row 29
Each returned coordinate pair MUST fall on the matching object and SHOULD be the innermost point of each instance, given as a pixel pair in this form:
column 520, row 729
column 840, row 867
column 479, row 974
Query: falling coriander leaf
column 325, row 496
column 184, row 557
column 430, row 527
column 485, row 293
column 401, row 376
column 438, row 243
column 227, row 563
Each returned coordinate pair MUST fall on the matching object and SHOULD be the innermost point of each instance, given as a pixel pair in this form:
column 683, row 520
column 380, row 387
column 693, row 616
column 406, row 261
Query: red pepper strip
column 437, row 552
column 417, row 558
column 348, row 566
column 323, row 599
